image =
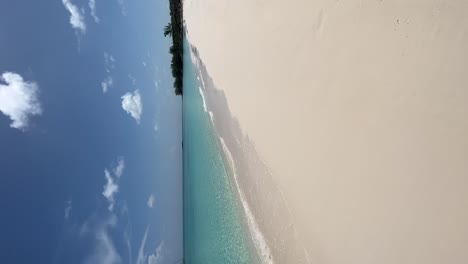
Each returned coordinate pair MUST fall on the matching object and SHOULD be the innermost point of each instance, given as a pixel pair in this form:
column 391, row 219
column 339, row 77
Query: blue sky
column 90, row 133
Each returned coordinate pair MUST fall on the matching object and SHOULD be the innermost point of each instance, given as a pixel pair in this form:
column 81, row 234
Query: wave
column 259, row 240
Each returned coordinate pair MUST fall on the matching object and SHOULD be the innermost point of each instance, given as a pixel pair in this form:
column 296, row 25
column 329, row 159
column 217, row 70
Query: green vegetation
column 175, row 29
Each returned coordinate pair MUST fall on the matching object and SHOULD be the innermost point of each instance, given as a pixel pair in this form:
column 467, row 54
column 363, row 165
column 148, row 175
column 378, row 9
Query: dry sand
column 359, row 109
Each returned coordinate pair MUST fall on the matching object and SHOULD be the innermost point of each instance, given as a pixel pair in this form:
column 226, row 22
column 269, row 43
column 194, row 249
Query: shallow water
column 213, row 224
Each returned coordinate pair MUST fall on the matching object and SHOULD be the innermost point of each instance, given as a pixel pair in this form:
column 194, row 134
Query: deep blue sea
column 213, row 230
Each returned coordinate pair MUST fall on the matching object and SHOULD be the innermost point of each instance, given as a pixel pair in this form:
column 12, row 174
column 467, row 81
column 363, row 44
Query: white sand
column 360, row 110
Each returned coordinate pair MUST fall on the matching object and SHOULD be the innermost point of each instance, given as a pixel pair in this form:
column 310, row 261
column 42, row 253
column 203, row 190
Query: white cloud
column 157, row 257
column 132, row 79
column 109, row 61
column 104, row 251
column 124, row 208
column 131, row 103
column 156, row 128
column 119, row 169
column 110, row 189
column 109, row 64
column 141, row 259
column 112, row 186
column 156, row 85
column 67, row 209
column 106, row 84
column 127, row 243
column 151, row 201
column 18, row 99
column 92, row 7
column 123, row 7
column 76, row 17
column 143, row 63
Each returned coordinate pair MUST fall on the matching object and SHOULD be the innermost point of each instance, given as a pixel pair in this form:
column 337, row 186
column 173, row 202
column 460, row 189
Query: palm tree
column 168, row 30
column 172, row 50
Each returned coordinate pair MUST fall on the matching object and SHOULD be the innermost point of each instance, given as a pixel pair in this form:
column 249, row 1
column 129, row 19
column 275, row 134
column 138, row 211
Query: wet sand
column 347, row 123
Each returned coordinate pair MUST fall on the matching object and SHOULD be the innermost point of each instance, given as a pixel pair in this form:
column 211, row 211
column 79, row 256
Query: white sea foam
column 203, row 99
column 200, row 79
column 257, row 237
column 211, row 117
column 205, row 107
column 259, row 240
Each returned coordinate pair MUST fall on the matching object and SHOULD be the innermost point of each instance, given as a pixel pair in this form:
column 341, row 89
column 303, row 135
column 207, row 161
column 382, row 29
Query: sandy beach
column 347, row 123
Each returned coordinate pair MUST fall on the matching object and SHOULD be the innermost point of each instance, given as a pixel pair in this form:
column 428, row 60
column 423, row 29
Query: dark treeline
column 175, row 29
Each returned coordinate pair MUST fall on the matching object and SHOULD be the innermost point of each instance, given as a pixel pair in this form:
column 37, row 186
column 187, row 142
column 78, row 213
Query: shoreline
column 262, row 249
column 249, row 223
column 221, row 118
column 354, row 112
column 213, row 224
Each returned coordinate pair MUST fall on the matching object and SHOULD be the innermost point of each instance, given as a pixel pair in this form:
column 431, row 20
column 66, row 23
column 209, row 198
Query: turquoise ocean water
column 213, row 229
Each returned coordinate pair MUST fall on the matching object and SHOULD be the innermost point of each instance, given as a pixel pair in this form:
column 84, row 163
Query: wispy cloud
column 112, row 183
column 141, row 258
column 76, row 17
column 158, row 256
column 18, row 99
column 156, row 128
column 124, row 208
column 157, row 85
column 68, row 208
column 104, row 232
column 109, row 61
column 123, row 7
column 151, row 201
column 109, row 64
column 105, row 251
column 92, row 7
column 132, row 79
column 106, row 84
column 110, row 189
column 119, row 169
column 131, row 103
column 127, row 243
